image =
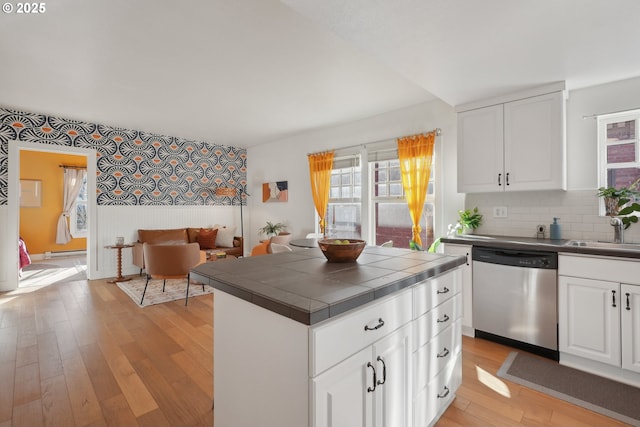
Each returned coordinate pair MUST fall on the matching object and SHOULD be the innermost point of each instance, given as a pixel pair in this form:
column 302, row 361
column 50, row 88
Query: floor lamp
column 232, row 192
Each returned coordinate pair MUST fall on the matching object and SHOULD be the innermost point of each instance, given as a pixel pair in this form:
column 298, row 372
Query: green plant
column 469, row 219
column 621, row 202
column 272, row 229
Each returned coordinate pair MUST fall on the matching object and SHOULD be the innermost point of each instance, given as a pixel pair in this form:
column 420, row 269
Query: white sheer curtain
column 72, row 185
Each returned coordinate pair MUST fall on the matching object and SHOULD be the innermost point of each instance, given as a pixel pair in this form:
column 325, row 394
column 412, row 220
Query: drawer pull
column 628, row 305
column 378, row 326
column 384, row 371
column 446, row 290
column 613, row 297
column 375, row 380
column 444, row 394
column 443, row 320
column 444, row 353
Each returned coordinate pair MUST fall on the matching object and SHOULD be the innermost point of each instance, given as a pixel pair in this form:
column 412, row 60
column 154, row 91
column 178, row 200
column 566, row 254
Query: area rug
column 598, row 394
column 176, row 289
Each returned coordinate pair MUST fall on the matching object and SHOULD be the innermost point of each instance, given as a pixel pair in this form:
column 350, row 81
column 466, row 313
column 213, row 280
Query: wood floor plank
column 8, row 344
column 194, row 370
column 56, row 406
column 26, row 384
column 28, row 414
column 104, row 384
column 7, row 376
column 48, row 355
column 84, row 402
column 117, row 412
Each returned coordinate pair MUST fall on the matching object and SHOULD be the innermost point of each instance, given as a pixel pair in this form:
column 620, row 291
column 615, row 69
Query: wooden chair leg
column 164, row 282
column 145, row 289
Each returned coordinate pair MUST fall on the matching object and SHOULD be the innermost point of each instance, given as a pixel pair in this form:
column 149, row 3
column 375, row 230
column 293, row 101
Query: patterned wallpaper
column 134, row 167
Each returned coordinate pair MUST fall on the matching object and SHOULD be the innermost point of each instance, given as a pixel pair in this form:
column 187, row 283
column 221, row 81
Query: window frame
column 81, row 200
column 603, row 144
column 367, row 156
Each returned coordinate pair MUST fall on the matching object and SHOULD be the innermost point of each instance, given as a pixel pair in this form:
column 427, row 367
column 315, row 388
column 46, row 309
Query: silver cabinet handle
column 375, row 380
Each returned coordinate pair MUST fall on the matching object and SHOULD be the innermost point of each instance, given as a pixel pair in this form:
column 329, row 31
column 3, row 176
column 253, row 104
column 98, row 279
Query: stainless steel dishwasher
column 515, row 298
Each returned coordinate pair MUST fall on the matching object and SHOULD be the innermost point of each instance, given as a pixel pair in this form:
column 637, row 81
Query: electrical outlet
column 499, row 211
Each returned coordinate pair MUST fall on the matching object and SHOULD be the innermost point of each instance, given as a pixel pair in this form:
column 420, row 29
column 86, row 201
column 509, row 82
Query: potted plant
column 469, row 219
column 620, row 202
column 272, row 229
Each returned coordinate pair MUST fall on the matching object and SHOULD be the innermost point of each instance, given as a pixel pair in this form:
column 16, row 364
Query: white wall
column 577, row 207
column 286, row 160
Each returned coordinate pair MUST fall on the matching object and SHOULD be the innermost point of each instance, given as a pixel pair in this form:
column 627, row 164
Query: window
column 78, row 219
column 619, row 153
column 377, row 211
column 391, row 217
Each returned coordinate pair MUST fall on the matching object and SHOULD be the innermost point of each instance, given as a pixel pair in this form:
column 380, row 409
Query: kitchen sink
column 604, row 245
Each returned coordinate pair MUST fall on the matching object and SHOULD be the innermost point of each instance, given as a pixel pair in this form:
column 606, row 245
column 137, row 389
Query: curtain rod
column 72, row 167
column 437, row 131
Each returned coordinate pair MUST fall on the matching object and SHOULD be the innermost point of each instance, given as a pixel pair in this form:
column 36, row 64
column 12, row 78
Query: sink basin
column 604, row 245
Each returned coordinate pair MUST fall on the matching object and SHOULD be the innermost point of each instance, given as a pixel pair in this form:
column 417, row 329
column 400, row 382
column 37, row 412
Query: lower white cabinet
column 589, row 324
column 370, row 388
column 599, row 316
column 630, row 324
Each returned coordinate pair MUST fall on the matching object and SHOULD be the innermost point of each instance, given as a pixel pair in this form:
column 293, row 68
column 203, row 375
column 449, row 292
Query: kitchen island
column 300, row 341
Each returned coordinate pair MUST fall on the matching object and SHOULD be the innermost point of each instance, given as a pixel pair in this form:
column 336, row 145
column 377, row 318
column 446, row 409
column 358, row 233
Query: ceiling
column 246, row 72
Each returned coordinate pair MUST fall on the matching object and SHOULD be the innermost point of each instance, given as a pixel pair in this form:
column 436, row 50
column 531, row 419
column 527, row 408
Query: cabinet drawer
column 431, row 358
column 336, row 339
column 433, row 292
column 435, row 321
column 431, row 400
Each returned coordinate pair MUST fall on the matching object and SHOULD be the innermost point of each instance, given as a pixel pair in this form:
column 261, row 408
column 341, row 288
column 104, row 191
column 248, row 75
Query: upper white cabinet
column 513, row 146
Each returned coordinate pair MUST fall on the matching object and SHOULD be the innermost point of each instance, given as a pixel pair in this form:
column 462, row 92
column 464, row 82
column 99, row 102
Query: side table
column 119, row 277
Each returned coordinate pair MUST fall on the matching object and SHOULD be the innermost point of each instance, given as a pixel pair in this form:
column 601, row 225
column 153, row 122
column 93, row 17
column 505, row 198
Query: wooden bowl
column 341, row 252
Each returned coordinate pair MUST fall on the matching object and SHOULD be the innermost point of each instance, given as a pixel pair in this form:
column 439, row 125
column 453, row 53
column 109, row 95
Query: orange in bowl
column 341, row 250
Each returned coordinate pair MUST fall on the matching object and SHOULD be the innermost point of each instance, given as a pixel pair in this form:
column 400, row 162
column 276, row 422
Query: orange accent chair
column 170, row 262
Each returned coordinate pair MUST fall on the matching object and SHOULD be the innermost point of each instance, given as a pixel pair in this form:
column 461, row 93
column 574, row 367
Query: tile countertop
column 531, row 243
column 302, row 285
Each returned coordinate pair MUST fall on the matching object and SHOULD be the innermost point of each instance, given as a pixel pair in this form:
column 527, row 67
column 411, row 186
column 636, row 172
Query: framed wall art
column 30, row 193
column 277, row 191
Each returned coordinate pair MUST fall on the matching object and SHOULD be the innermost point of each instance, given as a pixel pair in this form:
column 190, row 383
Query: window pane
column 621, row 153
column 394, row 174
column 381, row 190
column 395, row 189
column 343, row 220
column 335, row 179
column 393, row 222
column 346, row 179
column 81, row 217
column 623, row 177
column 335, row 193
column 382, row 175
column 621, row 131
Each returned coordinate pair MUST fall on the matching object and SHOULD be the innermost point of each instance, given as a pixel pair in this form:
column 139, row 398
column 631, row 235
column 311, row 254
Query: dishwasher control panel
column 515, row 257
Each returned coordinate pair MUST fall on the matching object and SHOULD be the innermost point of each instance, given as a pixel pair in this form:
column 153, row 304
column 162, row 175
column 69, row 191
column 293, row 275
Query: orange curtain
column 416, row 154
column 320, row 165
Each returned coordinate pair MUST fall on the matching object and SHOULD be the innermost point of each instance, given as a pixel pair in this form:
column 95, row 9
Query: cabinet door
column 467, row 289
column 480, row 150
column 589, row 319
column 630, row 312
column 392, row 398
column 534, row 153
column 340, row 394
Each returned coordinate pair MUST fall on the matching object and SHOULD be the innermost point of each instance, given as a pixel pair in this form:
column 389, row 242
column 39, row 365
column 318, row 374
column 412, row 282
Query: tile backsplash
column 577, row 211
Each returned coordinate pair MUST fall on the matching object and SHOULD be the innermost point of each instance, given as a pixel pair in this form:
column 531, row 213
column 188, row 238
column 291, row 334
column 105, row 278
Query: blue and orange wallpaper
column 133, row 167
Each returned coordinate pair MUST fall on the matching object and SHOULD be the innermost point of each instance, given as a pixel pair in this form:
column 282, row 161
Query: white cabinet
column 467, row 285
column 370, row 388
column 589, row 324
column 513, row 146
column 630, row 324
column 599, row 315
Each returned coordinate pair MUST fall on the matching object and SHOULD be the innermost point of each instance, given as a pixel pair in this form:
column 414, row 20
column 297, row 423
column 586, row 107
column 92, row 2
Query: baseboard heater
column 57, row 254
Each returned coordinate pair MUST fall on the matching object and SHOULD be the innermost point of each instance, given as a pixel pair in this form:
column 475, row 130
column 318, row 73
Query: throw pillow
column 225, row 237
column 207, row 238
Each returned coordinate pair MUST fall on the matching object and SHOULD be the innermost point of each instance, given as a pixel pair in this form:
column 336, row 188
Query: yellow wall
column 38, row 225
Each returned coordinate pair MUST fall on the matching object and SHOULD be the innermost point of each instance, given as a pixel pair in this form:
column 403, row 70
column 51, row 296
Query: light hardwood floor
column 82, row 354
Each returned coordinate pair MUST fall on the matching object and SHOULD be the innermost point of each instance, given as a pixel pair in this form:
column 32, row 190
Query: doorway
column 13, row 217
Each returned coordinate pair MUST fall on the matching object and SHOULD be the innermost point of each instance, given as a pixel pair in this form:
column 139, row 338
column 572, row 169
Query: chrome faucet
column 618, row 230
